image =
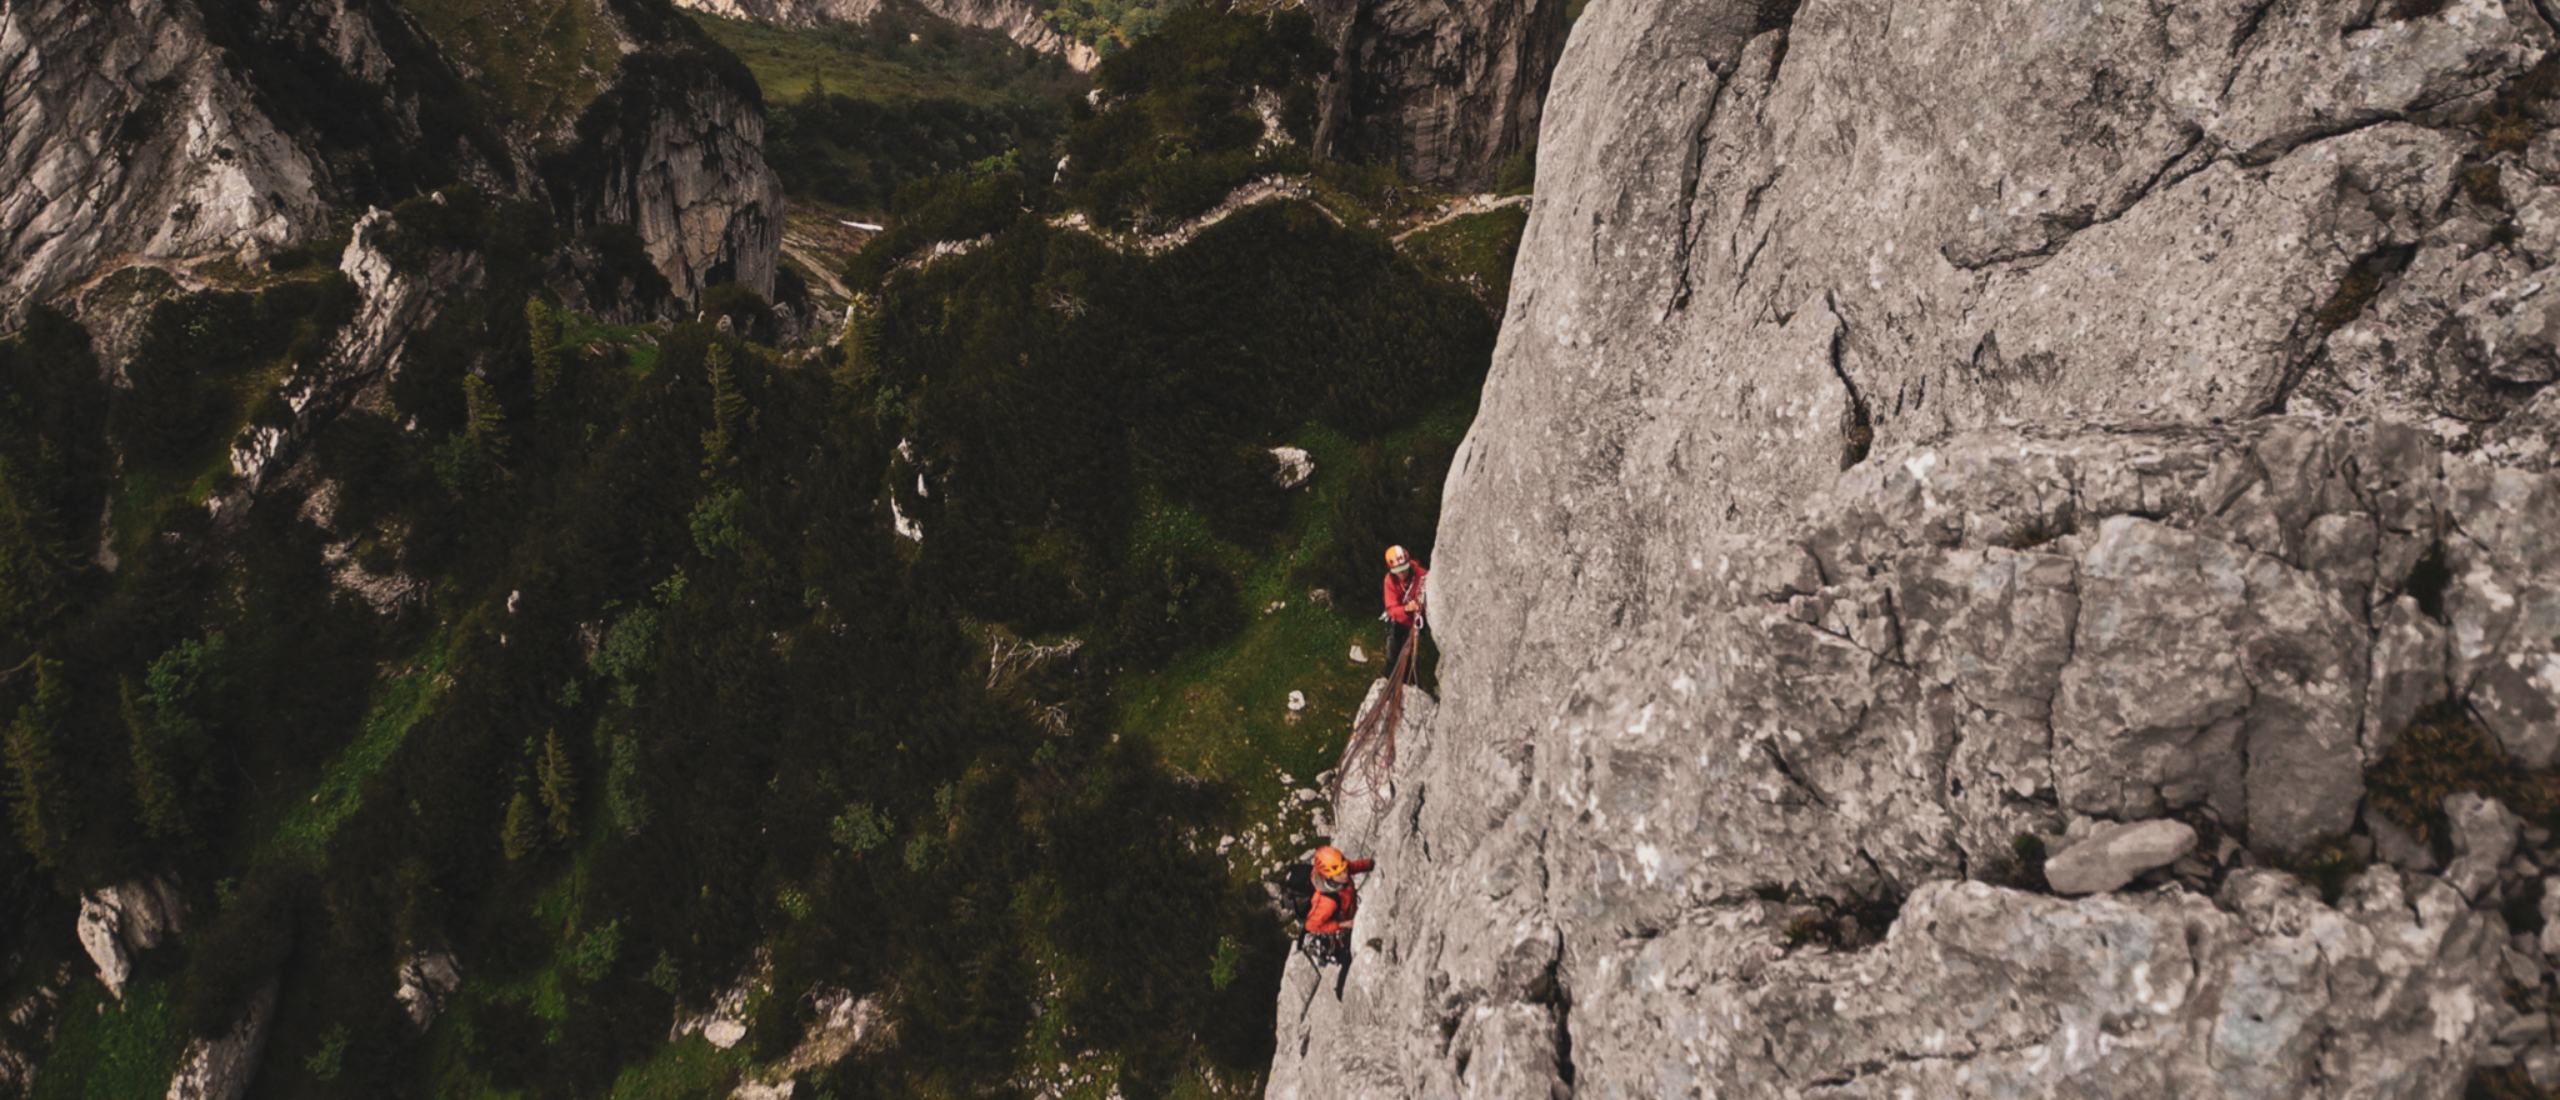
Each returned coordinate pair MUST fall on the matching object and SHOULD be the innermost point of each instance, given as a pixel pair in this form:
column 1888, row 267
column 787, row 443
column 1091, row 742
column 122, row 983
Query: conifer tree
column 559, row 786
column 35, row 569
column 39, row 794
column 522, row 832
column 155, row 788
column 165, row 721
column 488, row 419
column 860, row 344
column 728, row 407
column 542, row 331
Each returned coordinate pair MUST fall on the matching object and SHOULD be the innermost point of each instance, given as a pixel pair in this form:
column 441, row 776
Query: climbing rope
column 1371, row 755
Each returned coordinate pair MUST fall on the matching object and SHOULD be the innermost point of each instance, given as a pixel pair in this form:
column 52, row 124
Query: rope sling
column 1371, row 755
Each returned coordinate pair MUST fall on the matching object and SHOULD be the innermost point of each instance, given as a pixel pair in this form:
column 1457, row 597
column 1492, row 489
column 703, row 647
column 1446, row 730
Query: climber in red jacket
column 1404, row 601
column 1337, row 899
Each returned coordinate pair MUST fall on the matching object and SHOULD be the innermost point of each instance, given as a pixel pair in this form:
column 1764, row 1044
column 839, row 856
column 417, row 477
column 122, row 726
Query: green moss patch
column 542, row 61
column 1475, row 251
column 113, row 1050
column 2446, row 752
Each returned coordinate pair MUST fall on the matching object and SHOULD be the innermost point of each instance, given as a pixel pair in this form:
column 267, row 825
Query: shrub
column 41, row 799
column 2445, row 752
column 859, row 829
column 1519, row 173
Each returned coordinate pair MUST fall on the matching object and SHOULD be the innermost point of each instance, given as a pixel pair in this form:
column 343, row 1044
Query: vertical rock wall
column 167, row 133
column 676, row 150
column 122, row 135
column 1921, row 426
column 1444, row 91
column 1018, row 21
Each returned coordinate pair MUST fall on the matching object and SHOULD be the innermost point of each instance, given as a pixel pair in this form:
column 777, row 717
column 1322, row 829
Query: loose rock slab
column 2115, row 854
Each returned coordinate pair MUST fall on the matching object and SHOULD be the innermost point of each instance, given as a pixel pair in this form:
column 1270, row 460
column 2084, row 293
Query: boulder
column 2484, row 837
column 2550, row 909
column 98, row 936
column 2114, row 854
column 2397, row 846
column 427, row 980
column 134, row 916
column 221, row 1068
column 1295, row 466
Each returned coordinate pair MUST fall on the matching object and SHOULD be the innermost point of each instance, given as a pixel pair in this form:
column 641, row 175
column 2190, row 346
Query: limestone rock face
column 1670, row 881
column 118, row 920
column 426, row 981
column 1916, row 427
column 1018, row 21
column 170, row 133
column 221, row 1068
column 1445, row 90
column 125, row 135
column 395, row 305
column 679, row 155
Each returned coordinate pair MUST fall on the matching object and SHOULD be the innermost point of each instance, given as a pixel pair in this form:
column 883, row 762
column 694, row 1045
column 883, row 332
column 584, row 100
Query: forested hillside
column 904, row 708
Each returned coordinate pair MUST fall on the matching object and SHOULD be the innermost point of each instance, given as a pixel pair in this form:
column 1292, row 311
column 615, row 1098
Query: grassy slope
column 789, row 61
column 1222, row 713
column 541, row 60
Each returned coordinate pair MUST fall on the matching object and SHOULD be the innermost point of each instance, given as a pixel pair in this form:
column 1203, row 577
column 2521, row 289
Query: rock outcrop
column 127, row 136
column 427, row 981
column 1850, row 718
column 676, row 151
column 221, row 1068
column 1014, row 19
column 170, row 133
column 1916, row 429
column 1445, row 90
column 119, row 920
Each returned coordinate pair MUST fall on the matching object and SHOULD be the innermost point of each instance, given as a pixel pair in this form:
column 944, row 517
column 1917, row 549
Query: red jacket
column 1402, row 589
column 1331, row 911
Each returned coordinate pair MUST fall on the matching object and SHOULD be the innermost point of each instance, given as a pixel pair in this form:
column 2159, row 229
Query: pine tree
column 728, row 407
column 542, row 332
column 155, row 788
column 166, row 719
column 35, row 567
column 522, row 832
column 559, row 785
column 39, row 796
column 488, row 419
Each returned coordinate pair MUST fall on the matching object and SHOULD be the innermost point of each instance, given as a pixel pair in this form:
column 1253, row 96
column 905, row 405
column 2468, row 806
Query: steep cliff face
column 1015, row 20
column 1919, row 428
column 166, row 133
column 1443, row 91
column 676, row 152
column 126, row 136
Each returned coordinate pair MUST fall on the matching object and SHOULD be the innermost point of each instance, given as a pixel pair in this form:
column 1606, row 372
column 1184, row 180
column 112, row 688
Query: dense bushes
column 859, row 153
column 1051, row 378
column 199, row 364
column 1109, row 26
column 1184, row 130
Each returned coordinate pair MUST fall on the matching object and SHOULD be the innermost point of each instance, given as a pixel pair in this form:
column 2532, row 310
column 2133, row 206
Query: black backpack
column 1297, row 890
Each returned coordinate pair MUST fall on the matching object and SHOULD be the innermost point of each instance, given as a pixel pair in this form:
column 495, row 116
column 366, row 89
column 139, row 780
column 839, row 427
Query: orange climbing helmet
column 1329, row 863
column 1395, row 556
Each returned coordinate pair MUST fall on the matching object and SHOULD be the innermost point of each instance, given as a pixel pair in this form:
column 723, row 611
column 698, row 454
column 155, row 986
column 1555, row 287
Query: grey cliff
column 168, row 134
column 1445, row 90
column 1016, row 20
column 1918, row 427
